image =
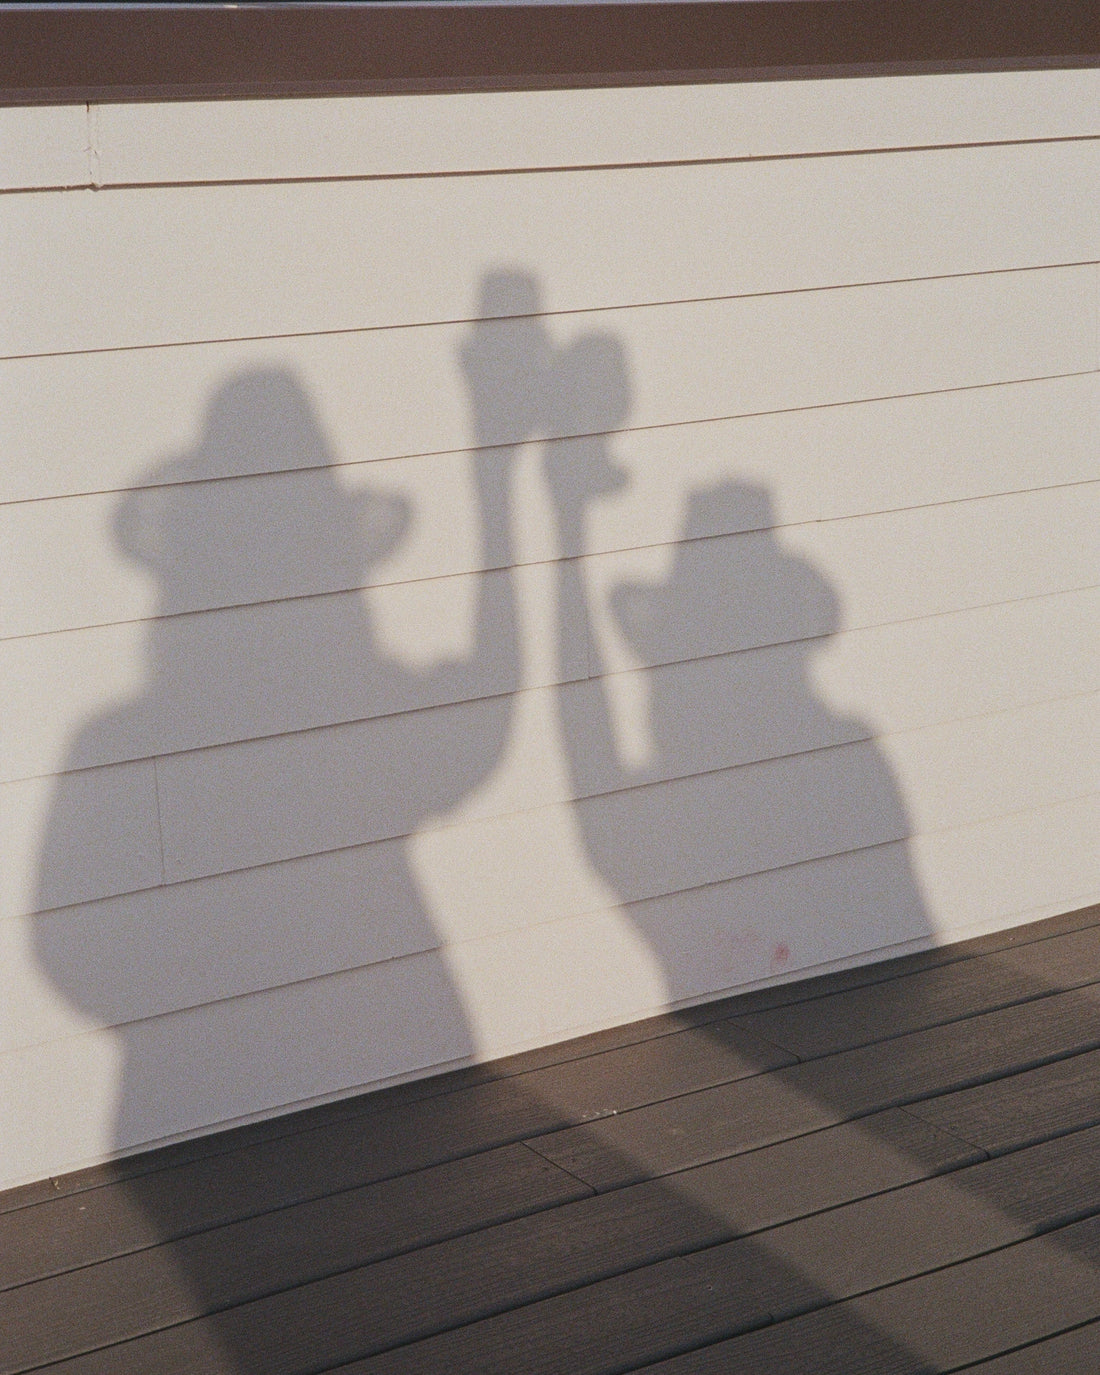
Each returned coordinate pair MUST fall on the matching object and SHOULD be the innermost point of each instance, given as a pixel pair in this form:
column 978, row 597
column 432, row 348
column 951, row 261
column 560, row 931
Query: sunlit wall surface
column 476, row 569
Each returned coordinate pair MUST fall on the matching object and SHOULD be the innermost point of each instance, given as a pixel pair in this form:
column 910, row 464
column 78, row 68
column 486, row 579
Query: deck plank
column 935, row 1323
column 367, row 1106
column 678, row 1133
column 846, row 1174
column 973, row 1050
column 930, row 997
column 395, row 1214
column 929, row 1319
column 356, row 1151
column 582, row 1249
column 1010, row 1113
column 1070, row 1353
column 462, row 1279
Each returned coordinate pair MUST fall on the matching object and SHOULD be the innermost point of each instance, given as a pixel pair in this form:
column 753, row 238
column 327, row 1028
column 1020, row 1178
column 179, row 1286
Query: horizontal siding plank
column 1011, row 868
column 319, row 915
column 729, row 592
column 846, row 550
column 245, row 1055
column 827, row 462
column 914, row 673
column 684, row 945
column 77, row 552
column 266, row 139
column 707, row 940
column 358, row 907
column 1056, row 744
column 266, row 801
column 864, row 560
column 245, row 672
column 90, row 422
column 309, row 792
column 899, row 677
column 816, row 464
column 207, row 544
column 106, row 825
column 727, row 823
column 47, row 146
column 758, row 817
column 886, row 568
column 713, row 939
column 171, row 265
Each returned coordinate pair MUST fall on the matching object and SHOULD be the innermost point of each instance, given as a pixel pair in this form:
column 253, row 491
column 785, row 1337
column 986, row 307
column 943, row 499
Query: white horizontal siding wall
column 796, row 389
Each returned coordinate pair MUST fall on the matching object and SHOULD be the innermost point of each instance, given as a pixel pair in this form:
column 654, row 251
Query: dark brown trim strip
column 66, row 55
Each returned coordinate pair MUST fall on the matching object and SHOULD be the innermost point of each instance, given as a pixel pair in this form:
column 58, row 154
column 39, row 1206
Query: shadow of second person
column 765, row 831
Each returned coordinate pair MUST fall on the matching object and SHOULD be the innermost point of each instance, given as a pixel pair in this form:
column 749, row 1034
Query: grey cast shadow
column 519, row 386
column 226, row 543
column 728, row 639
column 730, row 636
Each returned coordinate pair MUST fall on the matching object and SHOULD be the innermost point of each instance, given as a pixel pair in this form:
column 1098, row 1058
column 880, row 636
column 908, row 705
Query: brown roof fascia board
column 74, row 54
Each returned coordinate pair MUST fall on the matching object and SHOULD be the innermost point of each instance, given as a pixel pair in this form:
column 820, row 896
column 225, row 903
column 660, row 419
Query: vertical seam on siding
column 160, row 826
column 1096, row 310
column 91, row 126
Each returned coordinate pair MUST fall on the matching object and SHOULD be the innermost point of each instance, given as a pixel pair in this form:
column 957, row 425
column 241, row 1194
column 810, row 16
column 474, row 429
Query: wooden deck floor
column 886, row 1171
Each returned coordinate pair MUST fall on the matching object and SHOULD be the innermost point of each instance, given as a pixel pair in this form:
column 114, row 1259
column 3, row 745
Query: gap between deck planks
column 493, row 1242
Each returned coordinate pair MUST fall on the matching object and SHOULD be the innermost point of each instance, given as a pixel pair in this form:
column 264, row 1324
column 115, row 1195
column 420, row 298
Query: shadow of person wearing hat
column 195, row 1003
column 710, row 710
